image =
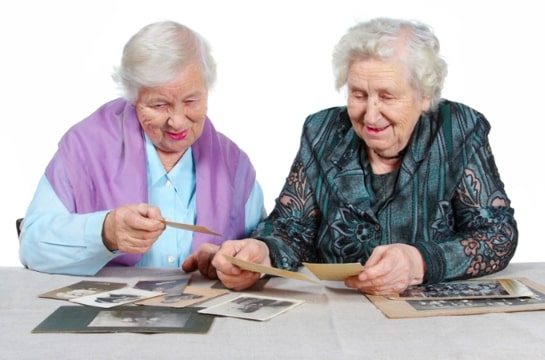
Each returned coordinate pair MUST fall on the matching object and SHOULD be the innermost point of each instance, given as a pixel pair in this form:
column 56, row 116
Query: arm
column 291, row 228
column 55, row 241
column 485, row 231
column 255, row 208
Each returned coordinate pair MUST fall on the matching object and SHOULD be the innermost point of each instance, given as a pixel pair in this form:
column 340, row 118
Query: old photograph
column 252, row 307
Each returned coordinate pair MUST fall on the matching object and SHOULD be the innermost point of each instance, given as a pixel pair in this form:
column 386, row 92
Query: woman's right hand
column 132, row 228
column 232, row 276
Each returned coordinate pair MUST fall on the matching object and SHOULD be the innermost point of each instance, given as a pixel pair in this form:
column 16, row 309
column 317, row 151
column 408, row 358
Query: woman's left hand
column 389, row 270
column 201, row 259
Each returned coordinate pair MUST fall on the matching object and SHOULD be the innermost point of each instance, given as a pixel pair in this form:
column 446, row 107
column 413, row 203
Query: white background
column 273, row 70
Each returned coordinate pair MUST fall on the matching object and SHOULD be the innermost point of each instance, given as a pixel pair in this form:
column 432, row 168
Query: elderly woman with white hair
column 138, row 160
column 399, row 180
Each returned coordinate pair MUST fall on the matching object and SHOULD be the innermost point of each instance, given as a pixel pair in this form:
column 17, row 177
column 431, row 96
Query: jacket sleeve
column 290, row 230
column 485, row 231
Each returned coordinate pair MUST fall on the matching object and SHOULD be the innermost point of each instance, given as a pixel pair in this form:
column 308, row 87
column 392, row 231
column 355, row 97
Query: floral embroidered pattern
column 295, row 216
column 489, row 247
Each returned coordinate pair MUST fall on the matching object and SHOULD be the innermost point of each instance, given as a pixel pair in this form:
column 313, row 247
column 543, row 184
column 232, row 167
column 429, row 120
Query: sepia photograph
column 82, row 288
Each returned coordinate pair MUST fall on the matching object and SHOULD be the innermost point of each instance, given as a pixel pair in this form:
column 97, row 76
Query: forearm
column 485, row 234
column 64, row 244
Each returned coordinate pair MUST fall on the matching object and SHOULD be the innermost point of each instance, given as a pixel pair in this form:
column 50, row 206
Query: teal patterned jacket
column 448, row 200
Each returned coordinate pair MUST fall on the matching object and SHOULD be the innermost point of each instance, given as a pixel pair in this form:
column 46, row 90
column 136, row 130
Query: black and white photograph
column 467, row 289
column 421, row 305
column 173, row 285
column 252, row 307
column 82, row 288
column 127, row 318
column 429, row 307
column 118, row 297
column 191, row 295
column 138, row 317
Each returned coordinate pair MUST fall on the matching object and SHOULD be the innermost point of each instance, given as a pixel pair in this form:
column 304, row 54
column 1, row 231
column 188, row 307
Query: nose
column 372, row 111
column 177, row 116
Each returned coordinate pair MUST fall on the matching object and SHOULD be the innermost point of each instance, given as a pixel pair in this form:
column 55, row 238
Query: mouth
column 178, row 136
column 374, row 130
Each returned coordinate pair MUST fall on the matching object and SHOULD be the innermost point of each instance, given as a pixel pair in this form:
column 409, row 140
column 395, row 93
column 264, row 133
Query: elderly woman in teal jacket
column 399, row 180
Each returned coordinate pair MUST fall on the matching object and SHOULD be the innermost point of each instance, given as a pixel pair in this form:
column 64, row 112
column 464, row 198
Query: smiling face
column 172, row 115
column 382, row 105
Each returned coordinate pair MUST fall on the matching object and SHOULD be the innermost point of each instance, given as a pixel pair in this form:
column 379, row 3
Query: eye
column 157, row 105
column 191, row 100
column 359, row 95
column 386, row 96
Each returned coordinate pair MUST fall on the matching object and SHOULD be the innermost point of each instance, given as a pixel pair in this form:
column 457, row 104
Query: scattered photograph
column 125, row 318
column 252, row 307
column 136, row 317
column 82, row 288
column 172, row 287
column 427, row 307
column 118, row 297
column 467, row 289
column 191, row 295
column 421, row 305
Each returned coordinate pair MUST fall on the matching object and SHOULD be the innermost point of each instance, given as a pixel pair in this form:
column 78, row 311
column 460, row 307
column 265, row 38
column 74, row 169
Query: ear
column 426, row 103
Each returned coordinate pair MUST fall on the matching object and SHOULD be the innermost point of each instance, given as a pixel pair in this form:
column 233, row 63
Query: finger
column 220, row 263
column 212, row 273
column 376, row 256
column 153, row 212
column 190, row 264
column 204, row 261
column 238, row 282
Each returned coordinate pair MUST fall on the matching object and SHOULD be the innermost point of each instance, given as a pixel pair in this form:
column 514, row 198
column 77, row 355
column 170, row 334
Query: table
column 331, row 324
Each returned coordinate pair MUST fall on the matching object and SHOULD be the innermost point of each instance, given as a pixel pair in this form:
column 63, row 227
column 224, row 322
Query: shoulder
column 216, row 147
column 462, row 118
column 220, row 142
column 327, row 121
column 325, row 116
column 112, row 126
column 100, row 120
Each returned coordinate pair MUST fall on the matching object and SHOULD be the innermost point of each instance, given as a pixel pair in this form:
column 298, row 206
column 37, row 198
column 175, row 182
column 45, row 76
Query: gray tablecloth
column 331, row 324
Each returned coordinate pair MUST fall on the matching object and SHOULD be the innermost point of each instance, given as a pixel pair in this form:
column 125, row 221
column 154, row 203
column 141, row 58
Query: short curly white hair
column 375, row 39
column 157, row 53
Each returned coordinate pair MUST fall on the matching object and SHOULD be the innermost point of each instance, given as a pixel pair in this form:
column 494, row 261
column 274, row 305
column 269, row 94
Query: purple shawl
column 101, row 164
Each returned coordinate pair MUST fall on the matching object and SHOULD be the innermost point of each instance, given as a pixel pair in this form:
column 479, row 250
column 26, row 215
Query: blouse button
column 167, row 183
column 171, row 259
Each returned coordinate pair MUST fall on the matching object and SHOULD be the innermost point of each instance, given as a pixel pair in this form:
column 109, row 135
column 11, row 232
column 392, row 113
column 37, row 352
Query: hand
column 389, row 270
column 202, row 259
column 232, row 276
column 132, row 228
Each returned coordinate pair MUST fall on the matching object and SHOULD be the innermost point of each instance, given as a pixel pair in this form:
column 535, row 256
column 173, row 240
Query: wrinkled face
column 172, row 115
column 382, row 105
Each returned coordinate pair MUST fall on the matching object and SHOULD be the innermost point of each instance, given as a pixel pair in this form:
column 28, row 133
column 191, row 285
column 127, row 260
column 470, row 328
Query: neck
column 397, row 156
column 169, row 160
